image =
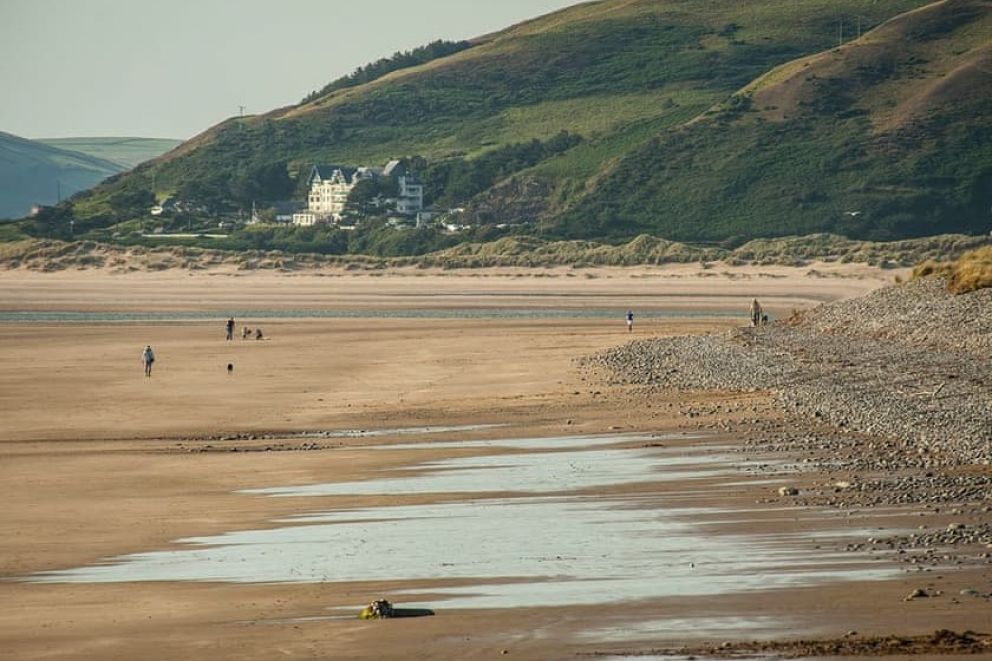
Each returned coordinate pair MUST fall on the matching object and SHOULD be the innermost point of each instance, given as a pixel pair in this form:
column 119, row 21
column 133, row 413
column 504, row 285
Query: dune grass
column 971, row 272
column 526, row 251
column 10, row 232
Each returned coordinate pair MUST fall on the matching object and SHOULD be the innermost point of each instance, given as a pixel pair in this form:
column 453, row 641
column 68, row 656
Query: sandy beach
column 99, row 462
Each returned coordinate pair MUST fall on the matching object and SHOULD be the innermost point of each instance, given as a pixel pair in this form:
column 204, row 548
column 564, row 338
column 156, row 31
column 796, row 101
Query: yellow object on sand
column 377, row 610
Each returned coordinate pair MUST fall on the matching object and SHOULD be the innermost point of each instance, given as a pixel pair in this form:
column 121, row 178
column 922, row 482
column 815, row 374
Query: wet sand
column 97, row 461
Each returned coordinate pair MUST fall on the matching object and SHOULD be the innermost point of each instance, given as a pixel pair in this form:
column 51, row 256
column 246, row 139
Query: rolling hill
column 124, row 152
column 687, row 119
column 888, row 136
column 34, row 173
column 45, row 171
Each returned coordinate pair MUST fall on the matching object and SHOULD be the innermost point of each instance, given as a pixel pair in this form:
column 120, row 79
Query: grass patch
column 971, row 272
column 11, row 231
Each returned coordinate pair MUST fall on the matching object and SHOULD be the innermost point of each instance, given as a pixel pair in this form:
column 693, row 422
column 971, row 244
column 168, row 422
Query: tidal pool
column 697, row 627
column 562, row 465
column 553, row 541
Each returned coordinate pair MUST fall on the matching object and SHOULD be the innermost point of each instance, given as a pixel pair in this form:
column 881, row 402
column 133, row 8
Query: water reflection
column 540, row 548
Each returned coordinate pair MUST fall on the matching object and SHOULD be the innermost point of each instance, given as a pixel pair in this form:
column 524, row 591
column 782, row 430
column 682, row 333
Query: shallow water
column 537, row 548
column 729, row 626
column 392, row 431
column 569, row 464
column 97, row 316
column 552, row 443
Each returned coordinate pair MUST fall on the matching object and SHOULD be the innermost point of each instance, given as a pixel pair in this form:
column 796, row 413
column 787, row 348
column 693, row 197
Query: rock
column 880, row 363
column 788, row 491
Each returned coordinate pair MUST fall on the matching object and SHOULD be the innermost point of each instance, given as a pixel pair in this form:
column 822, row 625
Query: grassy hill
column 124, row 152
column 34, row 173
column 694, row 119
column 888, row 136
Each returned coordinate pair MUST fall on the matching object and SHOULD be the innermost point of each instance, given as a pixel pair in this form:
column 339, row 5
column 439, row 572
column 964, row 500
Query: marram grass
column 971, row 272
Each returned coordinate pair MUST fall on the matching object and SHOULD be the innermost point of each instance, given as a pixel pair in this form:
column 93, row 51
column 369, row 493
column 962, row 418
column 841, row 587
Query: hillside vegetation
column 885, row 137
column 691, row 120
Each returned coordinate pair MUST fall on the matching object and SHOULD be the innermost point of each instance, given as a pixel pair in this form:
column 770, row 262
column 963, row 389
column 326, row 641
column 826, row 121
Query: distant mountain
column 125, row 152
column 44, row 171
column 35, row 173
column 686, row 119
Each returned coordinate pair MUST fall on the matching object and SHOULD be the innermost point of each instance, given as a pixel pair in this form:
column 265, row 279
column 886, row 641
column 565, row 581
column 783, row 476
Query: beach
column 100, row 462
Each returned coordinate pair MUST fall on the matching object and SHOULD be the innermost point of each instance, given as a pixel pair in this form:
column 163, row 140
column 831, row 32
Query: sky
column 173, row 68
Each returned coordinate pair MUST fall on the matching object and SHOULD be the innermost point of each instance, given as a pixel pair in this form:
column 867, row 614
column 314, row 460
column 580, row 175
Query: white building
column 330, row 187
column 410, row 196
column 305, row 218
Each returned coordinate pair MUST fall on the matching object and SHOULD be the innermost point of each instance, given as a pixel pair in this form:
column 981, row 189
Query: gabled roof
column 393, row 168
column 325, row 172
column 366, row 172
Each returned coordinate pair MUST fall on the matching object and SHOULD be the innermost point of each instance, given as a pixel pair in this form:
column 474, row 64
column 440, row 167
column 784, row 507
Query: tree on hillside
column 398, row 60
column 368, row 194
column 261, row 181
column 458, row 180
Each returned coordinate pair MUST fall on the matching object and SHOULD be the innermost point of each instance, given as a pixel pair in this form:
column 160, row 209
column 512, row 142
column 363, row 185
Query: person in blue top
column 630, row 321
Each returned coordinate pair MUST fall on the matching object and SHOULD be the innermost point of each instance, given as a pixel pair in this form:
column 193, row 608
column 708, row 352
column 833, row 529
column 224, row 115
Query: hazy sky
column 172, row 68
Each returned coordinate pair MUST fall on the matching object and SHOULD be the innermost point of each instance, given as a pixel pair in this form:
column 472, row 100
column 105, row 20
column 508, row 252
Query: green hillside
column 34, row 173
column 125, row 152
column 686, row 119
column 886, row 137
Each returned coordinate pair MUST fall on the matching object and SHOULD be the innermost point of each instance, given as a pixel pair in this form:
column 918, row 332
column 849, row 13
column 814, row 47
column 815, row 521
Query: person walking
column 630, row 321
column 756, row 313
column 148, row 357
column 230, row 329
